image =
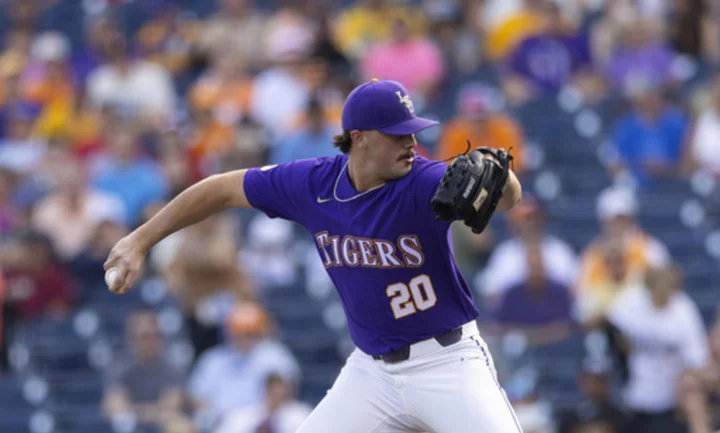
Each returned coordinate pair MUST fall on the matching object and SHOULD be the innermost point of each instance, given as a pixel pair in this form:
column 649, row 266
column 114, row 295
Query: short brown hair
column 343, row 141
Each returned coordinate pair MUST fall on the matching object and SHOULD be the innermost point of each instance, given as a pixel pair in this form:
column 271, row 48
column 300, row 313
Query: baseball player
column 381, row 216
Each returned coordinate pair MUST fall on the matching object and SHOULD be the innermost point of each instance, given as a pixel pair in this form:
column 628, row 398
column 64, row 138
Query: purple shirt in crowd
column 652, row 63
column 390, row 260
column 521, row 306
column 549, row 61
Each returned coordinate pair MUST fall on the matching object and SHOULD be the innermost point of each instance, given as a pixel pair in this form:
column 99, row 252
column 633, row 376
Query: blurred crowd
column 103, row 119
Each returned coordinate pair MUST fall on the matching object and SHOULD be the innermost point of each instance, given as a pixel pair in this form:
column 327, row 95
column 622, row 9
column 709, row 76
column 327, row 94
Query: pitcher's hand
column 126, row 258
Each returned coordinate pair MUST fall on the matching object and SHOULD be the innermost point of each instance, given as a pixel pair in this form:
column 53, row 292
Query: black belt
column 447, row 339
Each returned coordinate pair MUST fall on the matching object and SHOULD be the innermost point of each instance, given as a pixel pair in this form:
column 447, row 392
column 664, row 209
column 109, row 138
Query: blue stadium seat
column 11, row 394
column 79, row 389
column 15, row 421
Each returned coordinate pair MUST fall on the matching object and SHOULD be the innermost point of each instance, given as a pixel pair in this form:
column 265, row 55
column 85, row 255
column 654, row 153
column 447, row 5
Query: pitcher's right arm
column 203, row 199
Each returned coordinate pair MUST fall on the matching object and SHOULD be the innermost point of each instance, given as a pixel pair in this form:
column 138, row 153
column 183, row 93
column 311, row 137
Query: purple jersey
column 391, row 261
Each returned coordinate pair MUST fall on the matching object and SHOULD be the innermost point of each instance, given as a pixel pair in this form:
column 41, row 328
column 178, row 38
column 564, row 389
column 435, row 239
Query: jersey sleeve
column 279, row 190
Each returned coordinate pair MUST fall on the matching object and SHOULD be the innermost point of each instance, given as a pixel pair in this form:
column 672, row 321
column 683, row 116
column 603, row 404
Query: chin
column 403, row 168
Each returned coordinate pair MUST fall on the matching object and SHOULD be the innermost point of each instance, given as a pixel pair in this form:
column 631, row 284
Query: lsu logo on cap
column 405, row 100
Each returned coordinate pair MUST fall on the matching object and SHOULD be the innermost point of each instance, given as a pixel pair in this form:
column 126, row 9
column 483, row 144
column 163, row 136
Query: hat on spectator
column 474, row 103
column 50, row 46
column 616, row 201
column 246, row 318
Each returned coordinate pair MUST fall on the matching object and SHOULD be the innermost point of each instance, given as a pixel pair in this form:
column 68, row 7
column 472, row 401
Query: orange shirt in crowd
column 212, row 93
column 495, row 131
column 595, row 283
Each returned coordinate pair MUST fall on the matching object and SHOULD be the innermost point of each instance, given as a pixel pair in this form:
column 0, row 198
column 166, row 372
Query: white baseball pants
column 439, row 389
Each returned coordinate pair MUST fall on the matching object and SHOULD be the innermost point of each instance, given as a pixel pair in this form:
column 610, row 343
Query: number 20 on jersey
column 407, row 299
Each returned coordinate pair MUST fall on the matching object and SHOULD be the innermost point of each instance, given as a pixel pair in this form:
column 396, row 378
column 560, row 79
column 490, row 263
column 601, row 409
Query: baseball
column 110, row 276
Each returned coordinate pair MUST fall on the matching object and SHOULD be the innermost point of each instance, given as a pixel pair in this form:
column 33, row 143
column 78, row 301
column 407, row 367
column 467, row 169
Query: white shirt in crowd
column 287, row 419
column 663, row 343
column 146, row 87
column 278, row 98
column 705, row 148
column 508, row 265
column 227, row 380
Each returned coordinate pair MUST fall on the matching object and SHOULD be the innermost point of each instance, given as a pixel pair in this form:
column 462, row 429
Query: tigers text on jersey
column 390, row 260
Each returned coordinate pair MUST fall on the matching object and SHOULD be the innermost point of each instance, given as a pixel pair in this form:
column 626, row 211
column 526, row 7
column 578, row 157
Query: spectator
column 663, row 337
column 479, row 121
column 268, row 255
column 4, row 334
column 87, row 265
column 610, row 21
column 279, row 412
column 174, row 162
column 220, row 100
column 649, row 140
column 235, row 30
column 538, row 306
column 595, row 299
column 503, row 35
column 17, row 49
column 702, row 151
column 127, row 173
column 84, row 128
column 285, row 80
column 693, row 29
column 327, row 49
column 49, row 83
column 143, row 382
column 555, row 57
column 458, row 34
column 206, row 285
column 414, row 61
column 224, row 90
column 36, row 283
column 595, row 406
column 324, row 87
column 138, row 86
column 711, row 376
column 99, row 32
column 231, row 376
column 68, row 216
column 11, row 96
column 618, row 256
column 508, row 265
column 168, row 39
column 640, row 57
column 370, row 22
column 20, row 151
column 9, row 217
column 315, row 140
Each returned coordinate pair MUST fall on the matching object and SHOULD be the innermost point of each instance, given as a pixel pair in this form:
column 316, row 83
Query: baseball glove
column 472, row 187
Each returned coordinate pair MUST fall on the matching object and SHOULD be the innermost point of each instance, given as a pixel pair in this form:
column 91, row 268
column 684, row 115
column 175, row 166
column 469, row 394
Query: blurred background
column 598, row 292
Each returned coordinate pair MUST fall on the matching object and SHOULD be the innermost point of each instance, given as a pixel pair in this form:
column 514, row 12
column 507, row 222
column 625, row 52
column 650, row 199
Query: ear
column 358, row 138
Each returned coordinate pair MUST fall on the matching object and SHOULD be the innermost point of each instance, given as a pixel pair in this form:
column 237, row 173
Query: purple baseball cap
column 382, row 105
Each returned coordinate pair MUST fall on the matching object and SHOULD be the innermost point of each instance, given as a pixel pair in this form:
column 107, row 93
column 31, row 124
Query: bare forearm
column 512, row 194
column 205, row 198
